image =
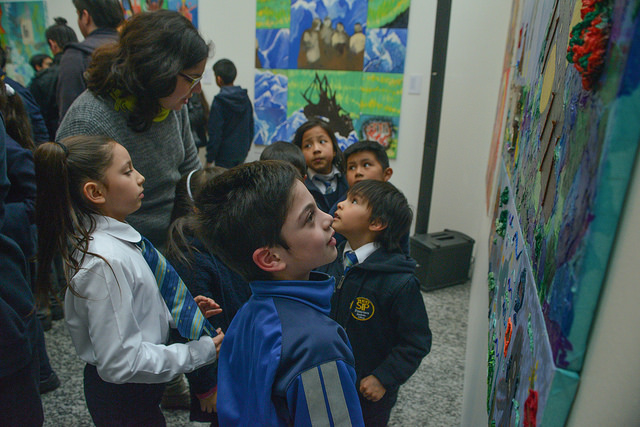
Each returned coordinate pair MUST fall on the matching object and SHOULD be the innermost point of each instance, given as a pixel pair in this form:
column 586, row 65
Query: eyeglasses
column 193, row 81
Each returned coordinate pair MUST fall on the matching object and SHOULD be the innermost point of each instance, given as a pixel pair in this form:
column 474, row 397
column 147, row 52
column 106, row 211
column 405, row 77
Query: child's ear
column 387, row 174
column 268, row 260
column 377, row 225
column 94, row 192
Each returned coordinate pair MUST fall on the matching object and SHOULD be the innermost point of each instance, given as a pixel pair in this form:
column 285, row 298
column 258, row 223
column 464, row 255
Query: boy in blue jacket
column 377, row 299
column 283, row 360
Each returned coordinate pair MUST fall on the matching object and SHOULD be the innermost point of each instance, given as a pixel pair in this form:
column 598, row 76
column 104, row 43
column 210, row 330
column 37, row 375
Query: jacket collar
column 315, row 292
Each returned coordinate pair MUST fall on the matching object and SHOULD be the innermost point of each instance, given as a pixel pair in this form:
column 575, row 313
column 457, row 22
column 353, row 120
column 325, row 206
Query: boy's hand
column 372, row 389
column 208, row 404
column 217, row 340
column 207, row 306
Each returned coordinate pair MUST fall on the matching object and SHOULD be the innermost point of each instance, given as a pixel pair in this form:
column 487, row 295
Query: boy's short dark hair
column 244, row 209
column 375, row 147
column 389, row 206
column 283, row 150
column 38, row 59
column 104, row 13
column 226, row 70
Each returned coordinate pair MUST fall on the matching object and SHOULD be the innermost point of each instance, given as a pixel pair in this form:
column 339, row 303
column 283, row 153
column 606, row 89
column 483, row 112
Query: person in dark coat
column 20, row 402
column 198, row 117
column 20, row 205
column 377, row 298
column 98, row 21
column 231, row 126
column 44, row 83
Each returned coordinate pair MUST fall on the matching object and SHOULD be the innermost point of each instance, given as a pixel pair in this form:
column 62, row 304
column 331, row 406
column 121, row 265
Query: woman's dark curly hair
column 153, row 48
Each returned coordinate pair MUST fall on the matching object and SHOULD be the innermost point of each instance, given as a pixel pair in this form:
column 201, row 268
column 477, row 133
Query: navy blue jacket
column 18, row 333
column 207, row 275
column 43, row 88
column 231, row 127
column 284, row 362
column 378, row 303
column 20, row 203
column 38, row 126
column 326, row 202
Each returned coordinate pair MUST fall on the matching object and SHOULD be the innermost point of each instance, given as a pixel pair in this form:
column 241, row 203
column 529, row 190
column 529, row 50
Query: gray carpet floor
column 431, row 397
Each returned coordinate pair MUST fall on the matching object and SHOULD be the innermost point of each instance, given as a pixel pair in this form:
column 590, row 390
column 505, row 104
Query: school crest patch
column 362, row 309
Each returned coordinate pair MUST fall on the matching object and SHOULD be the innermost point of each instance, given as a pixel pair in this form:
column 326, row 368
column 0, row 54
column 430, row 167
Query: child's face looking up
column 364, row 165
column 353, row 219
column 308, row 233
column 318, row 150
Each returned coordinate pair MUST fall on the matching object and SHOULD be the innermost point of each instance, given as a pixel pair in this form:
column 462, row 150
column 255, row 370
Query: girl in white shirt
column 116, row 316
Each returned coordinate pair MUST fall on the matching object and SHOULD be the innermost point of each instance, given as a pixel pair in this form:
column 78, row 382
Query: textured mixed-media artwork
column 338, row 59
column 570, row 134
column 22, row 26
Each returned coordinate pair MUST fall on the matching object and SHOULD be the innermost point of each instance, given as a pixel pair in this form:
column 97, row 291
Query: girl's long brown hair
column 63, row 215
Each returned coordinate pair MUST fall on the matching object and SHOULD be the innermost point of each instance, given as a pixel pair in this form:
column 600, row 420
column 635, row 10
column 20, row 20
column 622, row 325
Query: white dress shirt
column 120, row 323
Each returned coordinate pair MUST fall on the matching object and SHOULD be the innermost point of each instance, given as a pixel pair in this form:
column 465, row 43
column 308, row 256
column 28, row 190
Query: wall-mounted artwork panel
column 22, row 26
column 570, row 130
column 343, row 61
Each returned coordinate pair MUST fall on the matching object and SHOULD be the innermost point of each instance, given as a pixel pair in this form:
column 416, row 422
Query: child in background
column 230, row 120
column 116, row 315
column 284, row 362
column 204, row 274
column 325, row 162
column 378, row 299
column 366, row 160
column 283, row 150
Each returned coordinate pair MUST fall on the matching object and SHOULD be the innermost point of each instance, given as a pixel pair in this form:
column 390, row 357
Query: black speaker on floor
column 444, row 258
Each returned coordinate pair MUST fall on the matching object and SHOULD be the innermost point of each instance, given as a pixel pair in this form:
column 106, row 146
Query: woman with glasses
column 137, row 92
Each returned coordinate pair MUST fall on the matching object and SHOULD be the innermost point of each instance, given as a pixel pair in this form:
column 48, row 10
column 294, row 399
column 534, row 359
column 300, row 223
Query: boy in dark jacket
column 283, row 361
column 377, row 299
column 230, row 120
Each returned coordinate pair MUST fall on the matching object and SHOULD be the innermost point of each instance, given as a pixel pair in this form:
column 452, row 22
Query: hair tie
column 189, row 184
column 64, row 147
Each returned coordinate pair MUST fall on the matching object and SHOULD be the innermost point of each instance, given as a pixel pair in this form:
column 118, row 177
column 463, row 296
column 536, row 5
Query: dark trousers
column 20, row 403
column 376, row 414
column 122, row 404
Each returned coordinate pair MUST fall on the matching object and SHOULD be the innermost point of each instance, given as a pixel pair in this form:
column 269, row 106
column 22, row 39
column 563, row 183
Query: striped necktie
column 328, row 187
column 350, row 259
column 185, row 312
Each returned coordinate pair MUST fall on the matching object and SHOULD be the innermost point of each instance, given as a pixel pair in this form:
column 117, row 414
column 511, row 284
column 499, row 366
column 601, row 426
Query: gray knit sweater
column 162, row 154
